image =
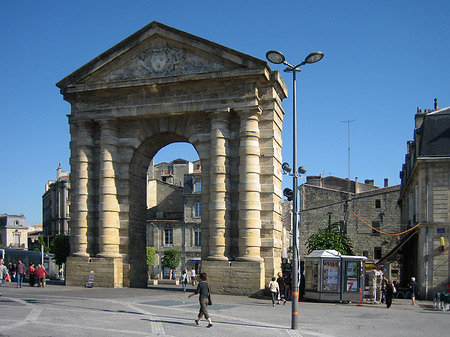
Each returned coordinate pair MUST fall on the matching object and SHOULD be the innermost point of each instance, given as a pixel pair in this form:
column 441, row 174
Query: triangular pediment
column 158, row 51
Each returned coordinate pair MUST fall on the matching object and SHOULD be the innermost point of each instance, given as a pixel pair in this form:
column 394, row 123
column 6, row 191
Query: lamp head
column 314, row 57
column 288, row 193
column 301, row 170
column 275, row 56
column 286, row 168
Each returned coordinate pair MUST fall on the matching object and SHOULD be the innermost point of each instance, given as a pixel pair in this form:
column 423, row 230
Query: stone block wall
column 235, row 277
column 108, row 272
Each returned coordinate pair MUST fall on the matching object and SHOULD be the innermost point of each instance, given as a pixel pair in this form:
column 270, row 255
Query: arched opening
column 165, row 206
column 174, row 209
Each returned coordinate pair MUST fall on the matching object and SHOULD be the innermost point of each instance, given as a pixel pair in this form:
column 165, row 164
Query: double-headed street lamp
column 278, row 58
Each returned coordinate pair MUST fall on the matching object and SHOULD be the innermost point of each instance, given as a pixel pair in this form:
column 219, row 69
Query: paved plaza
column 58, row 310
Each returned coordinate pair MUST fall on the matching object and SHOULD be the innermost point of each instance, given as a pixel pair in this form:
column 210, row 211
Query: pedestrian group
column 18, row 272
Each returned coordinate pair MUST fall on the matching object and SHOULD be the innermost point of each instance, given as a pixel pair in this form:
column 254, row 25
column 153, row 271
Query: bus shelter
column 332, row 277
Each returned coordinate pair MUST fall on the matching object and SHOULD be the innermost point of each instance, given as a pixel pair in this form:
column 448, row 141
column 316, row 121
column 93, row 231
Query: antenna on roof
column 348, row 142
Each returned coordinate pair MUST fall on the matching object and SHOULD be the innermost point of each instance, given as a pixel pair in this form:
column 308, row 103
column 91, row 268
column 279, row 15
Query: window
column 366, row 253
column 377, row 253
column 377, row 203
column 375, row 225
column 168, row 237
column 197, row 237
column 198, row 186
column 197, row 210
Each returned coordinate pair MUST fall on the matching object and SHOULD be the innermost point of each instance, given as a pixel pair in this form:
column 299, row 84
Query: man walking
column 3, row 274
column 21, row 270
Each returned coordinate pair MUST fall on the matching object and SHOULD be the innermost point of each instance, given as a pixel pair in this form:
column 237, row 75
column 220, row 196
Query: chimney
column 369, row 182
column 436, row 105
column 386, row 182
column 58, row 172
column 356, row 185
column 314, row 180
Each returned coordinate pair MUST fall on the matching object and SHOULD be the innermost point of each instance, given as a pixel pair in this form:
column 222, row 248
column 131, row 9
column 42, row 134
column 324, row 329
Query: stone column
column 81, row 184
column 219, row 203
column 249, row 186
column 108, row 217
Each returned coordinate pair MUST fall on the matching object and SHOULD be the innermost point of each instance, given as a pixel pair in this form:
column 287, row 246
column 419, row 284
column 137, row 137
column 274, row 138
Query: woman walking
column 282, row 285
column 414, row 289
column 390, row 291
column 204, row 299
column 274, row 290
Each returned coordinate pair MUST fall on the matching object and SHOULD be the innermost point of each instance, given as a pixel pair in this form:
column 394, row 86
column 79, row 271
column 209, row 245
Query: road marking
column 306, row 333
column 157, row 326
column 32, row 317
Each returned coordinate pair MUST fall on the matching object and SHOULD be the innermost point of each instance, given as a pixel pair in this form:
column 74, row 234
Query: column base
column 109, row 255
column 217, row 258
column 81, row 254
column 249, row 259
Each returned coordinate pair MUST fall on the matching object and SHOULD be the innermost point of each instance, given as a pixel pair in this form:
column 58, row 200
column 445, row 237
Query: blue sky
column 382, row 60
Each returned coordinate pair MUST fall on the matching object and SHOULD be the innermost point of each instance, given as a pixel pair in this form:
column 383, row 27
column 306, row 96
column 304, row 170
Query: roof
column 399, row 245
column 325, row 253
column 158, row 51
column 435, row 130
column 333, row 254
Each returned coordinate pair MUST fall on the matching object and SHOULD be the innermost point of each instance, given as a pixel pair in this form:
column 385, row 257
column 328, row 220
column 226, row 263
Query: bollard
column 359, row 304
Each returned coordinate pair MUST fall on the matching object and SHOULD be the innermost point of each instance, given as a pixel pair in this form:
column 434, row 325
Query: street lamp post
column 278, row 58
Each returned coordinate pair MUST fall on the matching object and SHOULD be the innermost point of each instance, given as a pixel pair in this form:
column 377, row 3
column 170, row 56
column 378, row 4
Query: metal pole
column 42, row 254
column 295, row 258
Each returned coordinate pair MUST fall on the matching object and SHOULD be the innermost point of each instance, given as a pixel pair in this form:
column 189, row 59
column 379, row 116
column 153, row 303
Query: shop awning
column 399, row 245
column 195, row 260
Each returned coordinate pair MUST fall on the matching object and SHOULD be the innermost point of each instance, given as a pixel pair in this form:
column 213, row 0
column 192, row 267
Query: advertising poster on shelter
column 330, row 275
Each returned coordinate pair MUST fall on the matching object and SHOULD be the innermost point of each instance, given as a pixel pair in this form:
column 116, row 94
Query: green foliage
column 171, row 258
column 61, row 248
column 40, row 241
column 330, row 237
column 150, row 256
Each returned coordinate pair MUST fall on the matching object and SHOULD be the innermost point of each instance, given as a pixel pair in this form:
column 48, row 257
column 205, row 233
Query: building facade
column 55, row 206
column 424, row 200
column 367, row 214
column 13, row 231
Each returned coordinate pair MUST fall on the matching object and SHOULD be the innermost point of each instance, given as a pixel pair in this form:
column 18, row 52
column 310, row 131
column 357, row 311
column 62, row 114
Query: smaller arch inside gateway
column 174, row 208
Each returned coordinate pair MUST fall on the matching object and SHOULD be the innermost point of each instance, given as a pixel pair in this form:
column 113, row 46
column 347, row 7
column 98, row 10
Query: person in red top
column 40, row 273
column 32, row 274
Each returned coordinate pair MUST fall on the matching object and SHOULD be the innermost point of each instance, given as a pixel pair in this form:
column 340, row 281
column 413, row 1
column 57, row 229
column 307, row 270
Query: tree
column 150, row 256
column 171, row 258
column 330, row 237
column 40, row 241
column 61, row 248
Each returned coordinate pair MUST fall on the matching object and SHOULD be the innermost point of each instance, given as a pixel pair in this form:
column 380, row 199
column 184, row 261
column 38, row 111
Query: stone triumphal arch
column 157, row 87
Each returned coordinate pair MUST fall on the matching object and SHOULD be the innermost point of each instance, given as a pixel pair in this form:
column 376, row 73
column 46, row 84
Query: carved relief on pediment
column 162, row 60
